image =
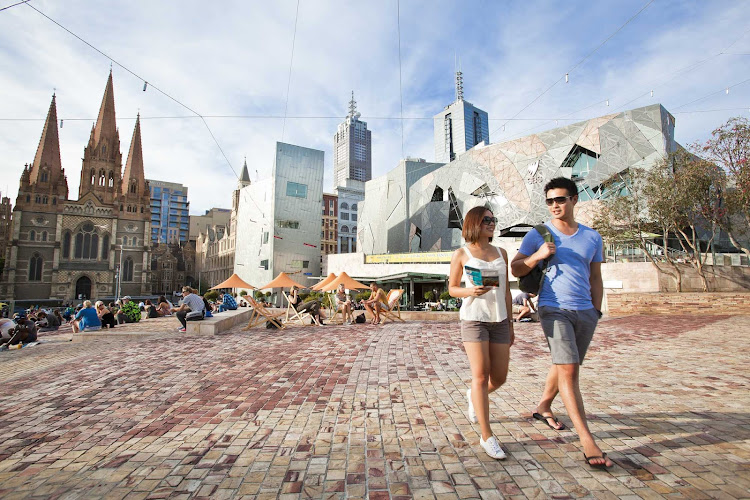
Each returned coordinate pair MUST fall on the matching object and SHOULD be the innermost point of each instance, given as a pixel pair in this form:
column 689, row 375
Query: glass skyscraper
column 170, row 220
column 352, row 149
column 459, row 127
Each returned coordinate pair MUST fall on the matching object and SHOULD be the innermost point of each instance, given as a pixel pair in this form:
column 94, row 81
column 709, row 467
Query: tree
column 626, row 219
column 211, row 295
column 429, row 296
column 680, row 197
column 243, row 293
column 729, row 147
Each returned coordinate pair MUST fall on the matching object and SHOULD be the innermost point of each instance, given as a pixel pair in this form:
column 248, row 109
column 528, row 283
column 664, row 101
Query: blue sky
column 233, row 58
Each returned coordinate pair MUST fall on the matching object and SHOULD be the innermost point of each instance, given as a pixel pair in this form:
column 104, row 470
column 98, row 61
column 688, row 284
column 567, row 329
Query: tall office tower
column 169, row 212
column 352, row 149
column 459, row 127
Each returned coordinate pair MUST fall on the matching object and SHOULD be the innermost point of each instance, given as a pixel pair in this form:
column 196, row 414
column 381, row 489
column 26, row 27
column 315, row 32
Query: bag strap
column 544, row 232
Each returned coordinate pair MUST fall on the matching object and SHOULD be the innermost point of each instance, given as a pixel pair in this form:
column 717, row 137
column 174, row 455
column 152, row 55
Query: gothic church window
column 102, row 178
column 127, row 269
column 44, row 235
column 93, row 177
column 111, row 179
column 86, row 243
column 66, row 246
column 35, row 267
column 105, row 247
column 45, row 176
column 45, row 200
column 32, row 235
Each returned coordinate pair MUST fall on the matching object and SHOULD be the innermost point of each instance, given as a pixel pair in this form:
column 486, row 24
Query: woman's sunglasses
column 489, row 220
column 557, row 199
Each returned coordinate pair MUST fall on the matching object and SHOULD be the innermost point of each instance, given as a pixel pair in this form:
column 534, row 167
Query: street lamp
column 118, row 275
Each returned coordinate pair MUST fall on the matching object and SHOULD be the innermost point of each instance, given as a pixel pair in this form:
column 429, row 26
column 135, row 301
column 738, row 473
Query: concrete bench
column 219, row 322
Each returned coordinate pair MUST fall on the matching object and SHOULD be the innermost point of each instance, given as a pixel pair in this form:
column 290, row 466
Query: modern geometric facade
column 422, row 209
column 62, row 249
column 278, row 221
column 352, row 149
column 170, row 212
column 459, row 127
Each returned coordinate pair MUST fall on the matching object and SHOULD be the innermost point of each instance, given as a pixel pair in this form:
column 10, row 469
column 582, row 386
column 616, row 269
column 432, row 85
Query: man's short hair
column 562, row 183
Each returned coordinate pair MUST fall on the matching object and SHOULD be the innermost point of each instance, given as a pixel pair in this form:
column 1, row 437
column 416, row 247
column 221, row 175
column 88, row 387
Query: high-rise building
column 352, row 149
column 459, row 127
column 169, row 212
column 328, row 228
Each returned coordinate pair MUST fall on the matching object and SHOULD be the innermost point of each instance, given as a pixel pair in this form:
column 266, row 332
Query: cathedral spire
column 134, row 166
column 48, row 153
column 244, row 176
column 106, row 124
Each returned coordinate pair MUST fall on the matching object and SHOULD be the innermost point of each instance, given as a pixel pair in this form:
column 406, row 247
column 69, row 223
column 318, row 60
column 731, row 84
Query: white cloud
column 232, row 58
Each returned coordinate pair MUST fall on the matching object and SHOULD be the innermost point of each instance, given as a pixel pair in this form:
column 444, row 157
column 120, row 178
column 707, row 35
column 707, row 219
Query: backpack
column 360, row 319
column 532, row 282
column 271, row 325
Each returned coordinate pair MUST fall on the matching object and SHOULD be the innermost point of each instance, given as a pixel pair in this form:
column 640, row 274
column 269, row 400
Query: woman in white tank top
column 486, row 330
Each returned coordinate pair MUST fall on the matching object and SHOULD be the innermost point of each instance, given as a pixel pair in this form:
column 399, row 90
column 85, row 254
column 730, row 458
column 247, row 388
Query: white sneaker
column 472, row 413
column 492, row 448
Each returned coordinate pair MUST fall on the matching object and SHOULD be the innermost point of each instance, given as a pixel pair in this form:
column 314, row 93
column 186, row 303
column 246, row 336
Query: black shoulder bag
column 532, row 282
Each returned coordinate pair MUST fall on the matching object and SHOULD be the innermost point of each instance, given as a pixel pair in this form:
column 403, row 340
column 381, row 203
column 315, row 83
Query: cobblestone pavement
column 372, row 411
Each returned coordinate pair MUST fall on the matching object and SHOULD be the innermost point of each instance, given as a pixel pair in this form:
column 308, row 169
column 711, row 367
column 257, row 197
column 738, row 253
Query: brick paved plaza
column 335, row 412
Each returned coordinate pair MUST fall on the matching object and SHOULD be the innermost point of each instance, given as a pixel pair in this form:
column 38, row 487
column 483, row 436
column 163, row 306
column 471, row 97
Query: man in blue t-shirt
column 570, row 301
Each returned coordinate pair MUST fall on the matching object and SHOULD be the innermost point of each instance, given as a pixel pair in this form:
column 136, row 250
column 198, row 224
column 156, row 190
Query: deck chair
column 294, row 316
column 393, row 312
column 261, row 315
column 336, row 315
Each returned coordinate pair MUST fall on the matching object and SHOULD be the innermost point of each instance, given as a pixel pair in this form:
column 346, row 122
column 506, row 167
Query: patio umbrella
column 282, row 281
column 233, row 281
column 346, row 280
column 323, row 283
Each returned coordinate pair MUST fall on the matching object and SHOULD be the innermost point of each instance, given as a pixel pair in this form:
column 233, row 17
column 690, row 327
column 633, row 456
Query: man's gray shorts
column 568, row 333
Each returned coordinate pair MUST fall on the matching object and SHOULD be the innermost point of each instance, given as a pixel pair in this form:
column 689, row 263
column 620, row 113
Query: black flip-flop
column 541, row 417
column 597, row 466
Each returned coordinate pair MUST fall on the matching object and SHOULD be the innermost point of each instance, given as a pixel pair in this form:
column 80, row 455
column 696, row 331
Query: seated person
column 105, row 315
column 164, row 306
column 150, row 309
column 47, row 322
column 376, row 303
column 523, row 306
column 86, row 319
column 192, row 308
column 60, row 319
column 228, row 303
column 68, row 314
column 344, row 304
column 23, row 332
column 131, row 311
column 311, row 306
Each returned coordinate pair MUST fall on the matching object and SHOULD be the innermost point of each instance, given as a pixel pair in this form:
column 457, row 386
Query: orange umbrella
column 233, row 281
column 282, row 281
column 323, row 283
column 347, row 281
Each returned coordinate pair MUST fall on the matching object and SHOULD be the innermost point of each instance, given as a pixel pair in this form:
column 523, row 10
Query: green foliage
column 445, row 295
column 258, row 295
column 243, row 293
column 211, row 295
column 363, row 296
column 429, row 296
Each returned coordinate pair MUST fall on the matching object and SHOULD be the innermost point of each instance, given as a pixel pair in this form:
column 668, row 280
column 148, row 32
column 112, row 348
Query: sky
column 230, row 61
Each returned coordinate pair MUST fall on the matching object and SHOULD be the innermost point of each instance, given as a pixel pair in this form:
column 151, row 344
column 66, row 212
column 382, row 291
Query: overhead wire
column 17, row 3
column 144, row 80
column 289, row 80
column 565, row 76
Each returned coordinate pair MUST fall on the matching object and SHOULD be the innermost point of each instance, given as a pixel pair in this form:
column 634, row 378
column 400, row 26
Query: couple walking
column 569, row 309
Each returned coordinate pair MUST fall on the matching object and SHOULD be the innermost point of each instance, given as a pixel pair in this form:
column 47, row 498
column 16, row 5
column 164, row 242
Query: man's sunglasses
column 489, row 220
column 557, row 199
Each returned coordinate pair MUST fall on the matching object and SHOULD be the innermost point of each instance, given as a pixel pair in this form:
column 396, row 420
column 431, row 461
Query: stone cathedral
column 71, row 249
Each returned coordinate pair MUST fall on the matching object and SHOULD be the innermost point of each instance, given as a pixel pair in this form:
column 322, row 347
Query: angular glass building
column 421, row 207
column 278, row 220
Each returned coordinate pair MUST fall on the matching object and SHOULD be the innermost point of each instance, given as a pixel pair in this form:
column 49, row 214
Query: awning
column 234, row 281
column 282, row 281
column 323, row 283
column 344, row 279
